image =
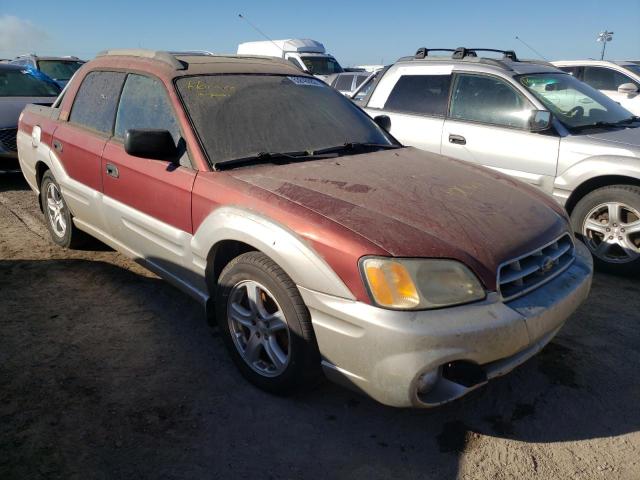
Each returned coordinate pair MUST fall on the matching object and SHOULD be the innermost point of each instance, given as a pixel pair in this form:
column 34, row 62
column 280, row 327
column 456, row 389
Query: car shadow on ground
column 109, row 373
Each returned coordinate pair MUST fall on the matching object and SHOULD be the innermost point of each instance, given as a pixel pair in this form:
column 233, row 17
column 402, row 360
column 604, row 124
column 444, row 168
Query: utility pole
column 604, row 37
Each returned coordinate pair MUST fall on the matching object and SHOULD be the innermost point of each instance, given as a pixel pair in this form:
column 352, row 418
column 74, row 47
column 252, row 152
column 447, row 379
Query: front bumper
column 385, row 353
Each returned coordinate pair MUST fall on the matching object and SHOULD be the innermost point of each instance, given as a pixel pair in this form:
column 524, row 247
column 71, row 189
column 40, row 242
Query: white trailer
column 306, row 54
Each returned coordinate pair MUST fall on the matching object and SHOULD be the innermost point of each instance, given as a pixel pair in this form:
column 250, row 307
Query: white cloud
column 20, row 36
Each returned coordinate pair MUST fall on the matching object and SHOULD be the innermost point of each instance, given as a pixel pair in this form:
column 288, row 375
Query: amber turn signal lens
column 391, row 284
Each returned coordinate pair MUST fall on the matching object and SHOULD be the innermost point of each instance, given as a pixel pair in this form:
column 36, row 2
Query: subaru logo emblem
column 547, row 265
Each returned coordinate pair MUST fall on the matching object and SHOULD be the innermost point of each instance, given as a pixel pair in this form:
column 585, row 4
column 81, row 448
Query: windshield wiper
column 275, row 157
column 619, row 123
column 629, row 120
column 350, row 146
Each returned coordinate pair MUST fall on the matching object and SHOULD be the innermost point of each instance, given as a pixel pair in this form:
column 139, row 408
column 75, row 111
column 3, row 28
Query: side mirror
column 540, row 120
column 150, row 143
column 383, row 121
column 628, row 89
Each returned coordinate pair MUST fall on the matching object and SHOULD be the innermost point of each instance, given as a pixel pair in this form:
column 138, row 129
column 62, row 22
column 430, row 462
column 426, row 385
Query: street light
column 604, row 37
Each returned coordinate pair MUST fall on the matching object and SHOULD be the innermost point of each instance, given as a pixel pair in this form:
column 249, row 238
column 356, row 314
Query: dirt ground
column 108, row 372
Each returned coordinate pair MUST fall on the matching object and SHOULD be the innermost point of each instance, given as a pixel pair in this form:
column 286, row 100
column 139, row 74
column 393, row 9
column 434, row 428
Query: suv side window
column 421, row 94
column 144, row 104
column 96, row 101
column 486, row 99
column 602, row 78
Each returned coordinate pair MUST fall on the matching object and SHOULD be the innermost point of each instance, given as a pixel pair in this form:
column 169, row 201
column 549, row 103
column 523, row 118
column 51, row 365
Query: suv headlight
column 418, row 284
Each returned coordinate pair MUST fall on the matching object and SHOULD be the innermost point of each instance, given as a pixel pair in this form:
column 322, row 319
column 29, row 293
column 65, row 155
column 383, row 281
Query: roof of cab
column 176, row 64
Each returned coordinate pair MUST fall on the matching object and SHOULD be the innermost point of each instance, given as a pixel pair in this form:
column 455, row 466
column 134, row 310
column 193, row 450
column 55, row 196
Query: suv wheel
column 266, row 325
column 608, row 220
column 58, row 217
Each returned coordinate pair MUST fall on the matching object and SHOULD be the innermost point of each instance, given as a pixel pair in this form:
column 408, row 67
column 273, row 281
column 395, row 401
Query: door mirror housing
column 383, row 121
column 628, row 89
column 540, row 120
column 150, row 143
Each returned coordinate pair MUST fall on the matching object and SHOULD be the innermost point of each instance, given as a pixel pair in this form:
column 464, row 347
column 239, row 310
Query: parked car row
column 315, row 239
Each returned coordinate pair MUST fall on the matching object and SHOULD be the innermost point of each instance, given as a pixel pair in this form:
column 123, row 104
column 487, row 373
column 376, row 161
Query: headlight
column 417, row 284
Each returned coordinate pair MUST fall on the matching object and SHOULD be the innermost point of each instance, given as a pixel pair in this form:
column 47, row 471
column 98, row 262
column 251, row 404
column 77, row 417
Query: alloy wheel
column 55, row 210
column 258, row 328
column 612, row 232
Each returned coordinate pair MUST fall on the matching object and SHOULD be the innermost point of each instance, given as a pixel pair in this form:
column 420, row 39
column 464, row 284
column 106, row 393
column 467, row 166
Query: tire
column 278, row 299
column 61, row 228
column 608, row 221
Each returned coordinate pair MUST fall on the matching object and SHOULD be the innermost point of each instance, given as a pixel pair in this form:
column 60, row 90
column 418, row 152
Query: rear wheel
column 57, row 215
column 266, row 325
column 608, row 220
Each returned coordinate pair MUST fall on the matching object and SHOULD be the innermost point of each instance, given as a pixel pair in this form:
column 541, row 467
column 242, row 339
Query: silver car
column 531, row 121
column 19, row 87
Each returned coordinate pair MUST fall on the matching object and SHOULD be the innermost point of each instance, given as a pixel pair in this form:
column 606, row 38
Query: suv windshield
column 573, row 102
column 240, row 116
column 318, row 65
column 59, row 69
column 22, row 83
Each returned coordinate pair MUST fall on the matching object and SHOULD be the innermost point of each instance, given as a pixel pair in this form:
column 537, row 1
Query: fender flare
column 294, row 255
column 593, row 167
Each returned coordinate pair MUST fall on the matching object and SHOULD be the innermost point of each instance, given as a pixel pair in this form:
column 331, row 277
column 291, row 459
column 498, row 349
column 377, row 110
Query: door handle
column 112, row 170
column 57, row 146
column 457, row 139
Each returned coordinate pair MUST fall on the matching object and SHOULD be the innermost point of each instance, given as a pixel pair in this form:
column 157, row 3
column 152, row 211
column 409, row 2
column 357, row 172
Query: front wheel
column 608, row 221
column 266, row 325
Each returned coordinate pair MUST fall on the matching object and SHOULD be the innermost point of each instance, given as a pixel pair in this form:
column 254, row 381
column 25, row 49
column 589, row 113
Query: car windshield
column 318, row 65
column 573, row 102
column 240, row 116
column 635, row 68
column 22, row 83
column 59, row 69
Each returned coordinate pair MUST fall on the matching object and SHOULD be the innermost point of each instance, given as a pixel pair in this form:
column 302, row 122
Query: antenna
column 531, row 48
column 259, row 31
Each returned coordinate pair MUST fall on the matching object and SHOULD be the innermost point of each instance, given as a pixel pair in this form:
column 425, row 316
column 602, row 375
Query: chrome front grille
column 8, row 139
column 528, row 272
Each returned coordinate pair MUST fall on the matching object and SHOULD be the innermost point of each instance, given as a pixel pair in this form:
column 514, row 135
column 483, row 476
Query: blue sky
column 355, row 31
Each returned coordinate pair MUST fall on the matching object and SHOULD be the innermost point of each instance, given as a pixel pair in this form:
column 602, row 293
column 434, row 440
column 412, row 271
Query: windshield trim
column 214, row 166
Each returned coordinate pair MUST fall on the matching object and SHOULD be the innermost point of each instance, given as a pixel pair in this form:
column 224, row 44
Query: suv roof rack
column 161, row 56
column 463, row 52
column 471, row 55
column 424, row 51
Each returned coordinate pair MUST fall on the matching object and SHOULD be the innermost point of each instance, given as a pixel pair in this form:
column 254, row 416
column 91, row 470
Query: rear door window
column 421, row 94
column 96, row 101
column 486, row 99
column 602, row 78
column 145, row 104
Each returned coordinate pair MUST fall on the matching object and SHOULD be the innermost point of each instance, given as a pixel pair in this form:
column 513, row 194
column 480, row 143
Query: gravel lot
column 108, row 372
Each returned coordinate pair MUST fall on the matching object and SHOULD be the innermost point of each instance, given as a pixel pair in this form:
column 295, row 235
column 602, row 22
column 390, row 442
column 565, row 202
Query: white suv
column 620, row 80
column 531, row 121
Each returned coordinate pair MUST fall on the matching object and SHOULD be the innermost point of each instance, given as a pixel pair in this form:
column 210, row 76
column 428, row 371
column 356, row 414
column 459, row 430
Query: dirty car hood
column 413, row 203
